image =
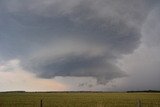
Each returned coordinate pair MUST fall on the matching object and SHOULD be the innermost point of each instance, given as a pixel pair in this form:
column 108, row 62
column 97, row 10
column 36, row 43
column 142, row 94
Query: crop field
column 79, row 99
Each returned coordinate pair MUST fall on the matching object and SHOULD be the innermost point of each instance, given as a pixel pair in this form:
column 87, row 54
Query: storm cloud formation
column 75, row 38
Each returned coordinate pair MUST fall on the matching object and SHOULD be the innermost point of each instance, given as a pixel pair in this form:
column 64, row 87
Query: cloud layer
column 76, row 38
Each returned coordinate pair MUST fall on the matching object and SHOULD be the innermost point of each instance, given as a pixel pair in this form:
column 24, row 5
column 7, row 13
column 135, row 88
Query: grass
column 80, row 99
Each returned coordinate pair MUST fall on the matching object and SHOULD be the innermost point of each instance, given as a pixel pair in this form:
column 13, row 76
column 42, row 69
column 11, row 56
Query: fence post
column 41, row 103
column 139, row 103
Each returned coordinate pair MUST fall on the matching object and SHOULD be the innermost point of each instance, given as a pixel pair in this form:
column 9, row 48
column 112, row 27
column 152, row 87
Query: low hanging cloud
column 75, row 38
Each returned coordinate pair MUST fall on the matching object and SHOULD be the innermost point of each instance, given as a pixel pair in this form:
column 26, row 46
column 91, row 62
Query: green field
column 79, row 99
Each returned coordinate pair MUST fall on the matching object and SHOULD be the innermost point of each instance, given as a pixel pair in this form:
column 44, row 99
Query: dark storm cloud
column 77, row 66
column 81, row 38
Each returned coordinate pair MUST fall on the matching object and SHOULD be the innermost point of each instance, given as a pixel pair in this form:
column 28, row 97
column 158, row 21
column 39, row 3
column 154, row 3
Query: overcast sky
column 108, row 45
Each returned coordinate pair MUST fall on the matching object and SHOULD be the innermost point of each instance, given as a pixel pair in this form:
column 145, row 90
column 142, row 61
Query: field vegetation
column 79, row 99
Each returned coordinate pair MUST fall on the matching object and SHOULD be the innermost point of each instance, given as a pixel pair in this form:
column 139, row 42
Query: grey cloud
column 35, row 26
column 151, row 28
column 85, row 85
column 76, row 66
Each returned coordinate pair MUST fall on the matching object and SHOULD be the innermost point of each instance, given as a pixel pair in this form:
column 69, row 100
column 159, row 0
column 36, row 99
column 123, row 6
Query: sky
column 79, row 45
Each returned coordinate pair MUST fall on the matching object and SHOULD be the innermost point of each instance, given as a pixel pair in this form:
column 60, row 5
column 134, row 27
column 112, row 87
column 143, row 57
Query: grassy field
column 79, row 99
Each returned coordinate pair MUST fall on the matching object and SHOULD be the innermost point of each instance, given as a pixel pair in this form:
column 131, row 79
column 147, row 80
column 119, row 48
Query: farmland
column 77, row 99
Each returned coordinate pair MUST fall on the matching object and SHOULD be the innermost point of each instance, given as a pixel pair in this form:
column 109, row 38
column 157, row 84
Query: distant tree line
column 146, row 91
column 14, row 92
